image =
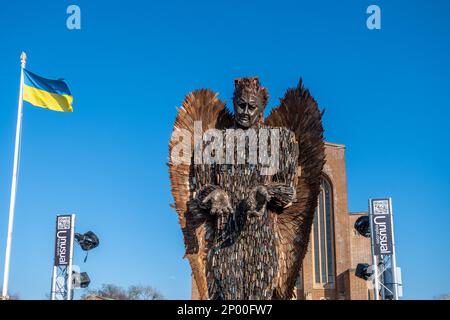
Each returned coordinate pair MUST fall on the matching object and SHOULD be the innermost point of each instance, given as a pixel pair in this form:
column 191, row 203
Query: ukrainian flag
column 50, row 94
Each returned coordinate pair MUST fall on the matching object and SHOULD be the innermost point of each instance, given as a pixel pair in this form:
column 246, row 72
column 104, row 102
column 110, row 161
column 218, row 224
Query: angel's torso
column 243, row 262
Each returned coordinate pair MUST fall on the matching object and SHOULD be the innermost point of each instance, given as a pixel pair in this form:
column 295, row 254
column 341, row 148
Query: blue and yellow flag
column 50, row 94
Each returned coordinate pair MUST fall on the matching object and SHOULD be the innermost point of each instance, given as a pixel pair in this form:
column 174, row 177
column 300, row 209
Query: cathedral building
column 335, row 247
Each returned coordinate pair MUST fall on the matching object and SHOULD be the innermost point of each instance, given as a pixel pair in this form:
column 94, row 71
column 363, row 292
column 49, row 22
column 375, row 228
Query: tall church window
column 323, row 237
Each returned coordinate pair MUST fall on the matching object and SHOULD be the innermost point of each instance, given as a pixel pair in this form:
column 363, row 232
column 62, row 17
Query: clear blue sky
column 386, row 95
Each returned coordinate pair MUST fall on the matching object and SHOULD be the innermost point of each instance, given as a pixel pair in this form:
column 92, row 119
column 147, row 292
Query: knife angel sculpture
column 246, row 188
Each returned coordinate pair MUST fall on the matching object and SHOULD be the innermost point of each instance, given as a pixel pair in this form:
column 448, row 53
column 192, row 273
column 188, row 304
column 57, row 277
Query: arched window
column 323, row 237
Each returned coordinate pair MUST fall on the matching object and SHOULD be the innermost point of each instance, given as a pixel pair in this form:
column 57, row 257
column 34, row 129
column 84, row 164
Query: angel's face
column 247, row 111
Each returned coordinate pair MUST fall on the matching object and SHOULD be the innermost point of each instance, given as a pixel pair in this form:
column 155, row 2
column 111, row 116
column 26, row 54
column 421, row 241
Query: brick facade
column 349, row 247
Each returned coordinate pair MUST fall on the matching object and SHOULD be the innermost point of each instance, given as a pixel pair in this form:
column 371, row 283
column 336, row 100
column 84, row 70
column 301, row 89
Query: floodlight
column 87, row 241
column 80, row 280
column 362, row 271
column 362, row 225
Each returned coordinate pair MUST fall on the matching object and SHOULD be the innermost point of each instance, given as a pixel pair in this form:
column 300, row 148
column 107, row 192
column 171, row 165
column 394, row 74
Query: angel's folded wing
column 298, row 112
column 201, row 105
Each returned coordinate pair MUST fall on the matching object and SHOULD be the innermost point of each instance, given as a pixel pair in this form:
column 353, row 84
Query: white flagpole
column 12, row 205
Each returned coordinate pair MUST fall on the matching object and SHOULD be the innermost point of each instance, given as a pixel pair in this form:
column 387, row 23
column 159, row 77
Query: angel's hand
column 281, row 196
column 218, row 203
column 258, row 200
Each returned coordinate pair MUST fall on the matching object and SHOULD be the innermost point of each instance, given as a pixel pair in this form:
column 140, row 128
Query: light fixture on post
column 80, row 280
column 362, row 225
column 64, row 277
column 87, row 241
column 362, row 271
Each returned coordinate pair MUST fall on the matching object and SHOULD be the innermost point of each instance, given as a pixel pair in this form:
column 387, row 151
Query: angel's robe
column 242, row 261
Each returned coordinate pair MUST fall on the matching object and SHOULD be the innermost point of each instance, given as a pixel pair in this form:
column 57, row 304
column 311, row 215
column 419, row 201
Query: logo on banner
column 381, row 226
column 63, row 240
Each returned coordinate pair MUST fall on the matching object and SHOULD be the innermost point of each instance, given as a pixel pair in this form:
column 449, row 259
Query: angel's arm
column 200, row 105
column 282, row 191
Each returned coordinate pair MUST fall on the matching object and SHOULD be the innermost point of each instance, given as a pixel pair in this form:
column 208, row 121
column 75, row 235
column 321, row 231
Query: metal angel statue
column 246, row 188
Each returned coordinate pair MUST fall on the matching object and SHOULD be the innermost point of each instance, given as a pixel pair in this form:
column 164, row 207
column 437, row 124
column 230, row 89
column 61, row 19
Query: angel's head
column 249, row 101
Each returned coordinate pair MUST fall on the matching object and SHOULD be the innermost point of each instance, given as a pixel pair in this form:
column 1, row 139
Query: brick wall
column 360, row 253
column 350, row 247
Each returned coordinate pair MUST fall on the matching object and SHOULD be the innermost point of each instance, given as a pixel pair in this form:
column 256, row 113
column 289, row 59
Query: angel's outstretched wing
column 298, row 112
column 201, row 105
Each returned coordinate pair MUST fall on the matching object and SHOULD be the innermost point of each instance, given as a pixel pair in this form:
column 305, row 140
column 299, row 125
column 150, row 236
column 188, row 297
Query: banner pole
column 376, row 275
column 23, row 60
column 393, row 255
column 70, row 266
